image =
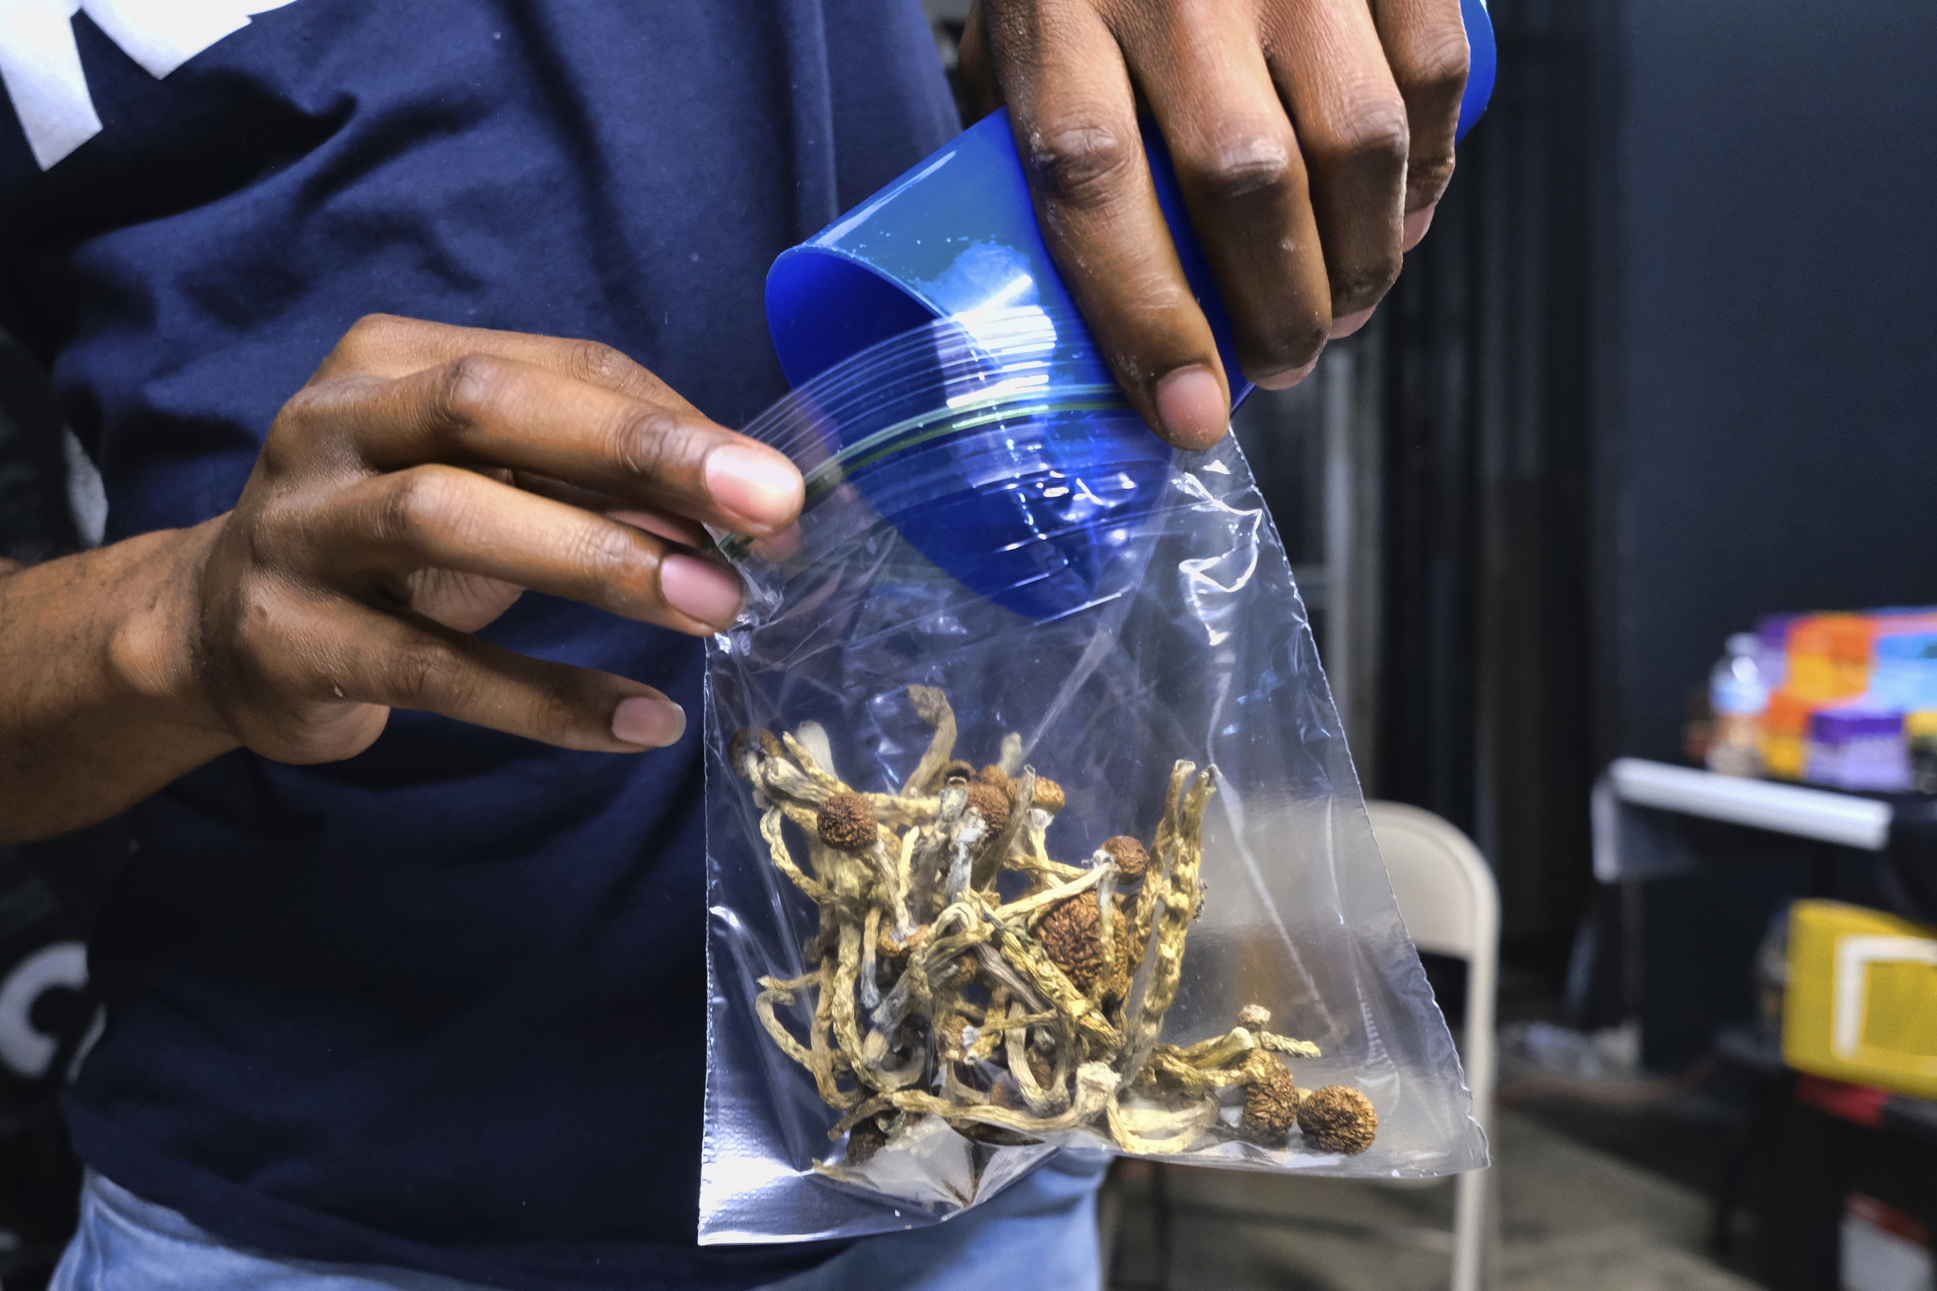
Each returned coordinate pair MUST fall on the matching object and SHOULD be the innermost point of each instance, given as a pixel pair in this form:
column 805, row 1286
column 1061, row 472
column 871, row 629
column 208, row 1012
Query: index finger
column 741, row 484
column 484, row 411
column 385, row 345
column 1075, row 124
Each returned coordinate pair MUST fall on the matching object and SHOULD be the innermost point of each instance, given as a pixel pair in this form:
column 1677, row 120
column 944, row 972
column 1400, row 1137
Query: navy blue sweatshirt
column 441, row 1005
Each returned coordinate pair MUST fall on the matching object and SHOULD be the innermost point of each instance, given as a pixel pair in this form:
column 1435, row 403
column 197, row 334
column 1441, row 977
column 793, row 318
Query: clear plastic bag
column 1029, row 821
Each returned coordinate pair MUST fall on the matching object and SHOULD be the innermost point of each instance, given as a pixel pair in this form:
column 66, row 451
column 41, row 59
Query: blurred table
column 1826, row 815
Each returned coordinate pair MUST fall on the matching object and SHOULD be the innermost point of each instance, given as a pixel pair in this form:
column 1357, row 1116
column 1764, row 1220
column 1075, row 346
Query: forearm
column 99, row 703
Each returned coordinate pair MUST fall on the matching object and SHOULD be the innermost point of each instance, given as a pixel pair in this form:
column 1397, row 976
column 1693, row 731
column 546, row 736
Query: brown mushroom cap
column 992, row 802
column 1132, row 862
column 864, row 1140
column 1270, row 1100
column 888, row 946
column 1047, row 794
column 1338, row 1118
column 1072, row 936
column 846, row 821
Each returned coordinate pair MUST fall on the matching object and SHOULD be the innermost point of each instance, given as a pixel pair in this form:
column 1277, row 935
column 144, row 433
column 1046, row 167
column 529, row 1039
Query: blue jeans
column 1041, row 1232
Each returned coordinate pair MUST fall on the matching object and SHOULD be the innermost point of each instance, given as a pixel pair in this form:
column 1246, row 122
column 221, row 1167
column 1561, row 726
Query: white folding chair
column 1451, row 907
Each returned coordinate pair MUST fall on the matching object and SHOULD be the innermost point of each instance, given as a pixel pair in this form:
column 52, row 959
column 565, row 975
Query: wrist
column 152, row 645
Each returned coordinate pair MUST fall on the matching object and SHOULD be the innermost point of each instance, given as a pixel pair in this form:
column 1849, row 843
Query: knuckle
column 560, row 701
column 605, row 552
column 1373, row 135
column 1081, row 161
column 597, row 363
column 412, row 504
column 468, row 387
column 1243, row 167
column 293, row 427
column 647, row 443
column 370, row 335
column 313, row 436
column 424, row 672
column 259, row 647
column 1435, row 66
column 373, row 328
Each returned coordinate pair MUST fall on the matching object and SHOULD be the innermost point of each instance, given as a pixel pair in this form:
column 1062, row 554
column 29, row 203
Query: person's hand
column 405, row 497
column 1312, row 139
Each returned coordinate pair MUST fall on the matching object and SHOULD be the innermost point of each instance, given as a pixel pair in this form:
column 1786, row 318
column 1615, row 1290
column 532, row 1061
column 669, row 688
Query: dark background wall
column 1769, row 340
column 1662, row 366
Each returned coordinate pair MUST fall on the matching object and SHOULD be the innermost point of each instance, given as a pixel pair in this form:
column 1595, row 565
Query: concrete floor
column 1573, row 1218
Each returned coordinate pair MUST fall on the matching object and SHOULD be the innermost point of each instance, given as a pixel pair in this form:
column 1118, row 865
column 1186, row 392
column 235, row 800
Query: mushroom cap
column 1270, row 1100
column 1071, row 935
column 1132, row 861
column 992, row 802
column 846, row 821
column 1338, row 1118
column 1047, row 795
column 888, row 946
column 864, row 1140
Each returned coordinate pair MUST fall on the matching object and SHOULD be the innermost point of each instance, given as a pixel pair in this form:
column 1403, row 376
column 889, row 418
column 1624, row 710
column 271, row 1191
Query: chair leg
column 1161, row 1218
column 1470, row 1230
column 1496, row 1244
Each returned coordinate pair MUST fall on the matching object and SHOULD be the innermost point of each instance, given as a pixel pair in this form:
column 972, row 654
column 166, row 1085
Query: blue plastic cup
column 955, row 238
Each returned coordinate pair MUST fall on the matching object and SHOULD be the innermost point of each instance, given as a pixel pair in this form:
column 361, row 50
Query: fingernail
column 1350, row 323
column 1416, row 225
column 761, row 488
column 654, row 723
column 700, row 588
column 1286, row 380
column 1193, row 408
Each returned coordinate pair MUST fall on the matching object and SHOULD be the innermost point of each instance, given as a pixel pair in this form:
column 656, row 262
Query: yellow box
column 1861, row 1002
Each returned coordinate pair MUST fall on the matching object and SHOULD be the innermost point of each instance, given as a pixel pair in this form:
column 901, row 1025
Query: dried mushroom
column 1131, row 860
column 847, row 821
column 1072, row 936
column 992, row 802
column 1270, row 1101
column 1049, row 795
column 1338, row 1118
column 864, row 1140
column 960, row 971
